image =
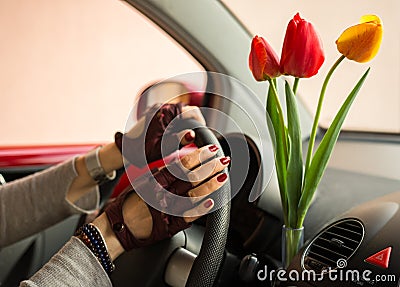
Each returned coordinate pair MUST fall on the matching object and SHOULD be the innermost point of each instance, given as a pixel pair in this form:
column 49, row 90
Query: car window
column 71, row 70
column 377, row 107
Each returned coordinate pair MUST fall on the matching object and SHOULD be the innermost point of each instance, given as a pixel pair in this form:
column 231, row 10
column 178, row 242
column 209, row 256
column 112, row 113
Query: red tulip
column 263, row 61
column 302, row 53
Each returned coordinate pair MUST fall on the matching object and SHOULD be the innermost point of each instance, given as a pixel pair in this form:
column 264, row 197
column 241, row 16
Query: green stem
column 281, row 120
column 278, row 161
column 293, row 240
column 295, row 85
column 278, row 128
column 318, row 112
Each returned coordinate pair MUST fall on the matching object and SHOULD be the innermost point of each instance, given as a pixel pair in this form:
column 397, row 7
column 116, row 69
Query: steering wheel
column 206, row 265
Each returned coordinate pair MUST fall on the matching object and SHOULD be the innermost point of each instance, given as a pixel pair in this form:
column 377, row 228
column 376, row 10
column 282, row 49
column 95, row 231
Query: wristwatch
column 95, row 169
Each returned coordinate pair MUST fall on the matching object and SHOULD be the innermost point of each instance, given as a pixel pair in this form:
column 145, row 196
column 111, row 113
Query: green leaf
column 280, row 162
column 295, row 163
column 324, row 151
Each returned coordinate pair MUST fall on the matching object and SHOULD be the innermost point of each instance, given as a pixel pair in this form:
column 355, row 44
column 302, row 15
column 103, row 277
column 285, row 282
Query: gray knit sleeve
column 74, row 265
column 35, row 202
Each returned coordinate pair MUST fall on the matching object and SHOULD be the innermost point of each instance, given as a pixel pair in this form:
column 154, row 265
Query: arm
column 75, row 264
column 36, row 202
column 33, row 203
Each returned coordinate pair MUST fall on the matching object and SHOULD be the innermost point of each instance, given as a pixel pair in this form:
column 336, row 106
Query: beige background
column 70, row 69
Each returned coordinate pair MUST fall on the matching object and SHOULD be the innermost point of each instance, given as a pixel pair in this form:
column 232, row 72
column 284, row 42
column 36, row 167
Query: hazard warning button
column 380, row 258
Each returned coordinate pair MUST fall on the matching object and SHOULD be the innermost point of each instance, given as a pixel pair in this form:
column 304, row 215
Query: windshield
column 71, row 72
column 377, row 108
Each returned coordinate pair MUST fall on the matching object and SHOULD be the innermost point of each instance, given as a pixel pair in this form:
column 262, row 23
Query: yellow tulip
column 361, row 42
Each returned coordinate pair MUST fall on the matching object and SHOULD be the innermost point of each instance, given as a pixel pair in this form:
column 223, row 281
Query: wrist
column 110, row 158
column 114, row 247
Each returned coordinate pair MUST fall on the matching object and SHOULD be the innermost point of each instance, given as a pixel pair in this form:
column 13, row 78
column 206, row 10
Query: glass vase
column 292, row 241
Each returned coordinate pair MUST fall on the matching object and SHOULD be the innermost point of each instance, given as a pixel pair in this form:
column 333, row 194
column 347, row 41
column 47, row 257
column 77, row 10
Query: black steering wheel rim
column 207, row 264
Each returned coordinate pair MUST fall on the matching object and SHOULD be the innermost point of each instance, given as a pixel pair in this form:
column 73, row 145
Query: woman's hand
column 203, row 180
column 142, row 143
column 110, row 154
column 135, row 224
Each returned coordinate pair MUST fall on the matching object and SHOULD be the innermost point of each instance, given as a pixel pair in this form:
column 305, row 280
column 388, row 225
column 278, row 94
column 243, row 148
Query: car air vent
column 334, row 246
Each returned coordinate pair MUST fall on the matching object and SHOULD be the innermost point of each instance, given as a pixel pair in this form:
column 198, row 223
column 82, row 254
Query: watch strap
column 95, row 169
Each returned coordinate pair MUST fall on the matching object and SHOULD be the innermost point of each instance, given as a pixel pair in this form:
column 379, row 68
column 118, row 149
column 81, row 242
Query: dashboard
column 359, row 248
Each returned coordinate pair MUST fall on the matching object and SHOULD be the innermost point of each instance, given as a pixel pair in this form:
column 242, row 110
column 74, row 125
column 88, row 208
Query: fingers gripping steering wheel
column 206, row 266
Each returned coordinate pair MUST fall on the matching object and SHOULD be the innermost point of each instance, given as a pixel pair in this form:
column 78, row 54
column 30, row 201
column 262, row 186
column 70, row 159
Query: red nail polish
column 208, row 203
column 225, row 160
column 222, row 177
column 213, row 148
column 189, row 137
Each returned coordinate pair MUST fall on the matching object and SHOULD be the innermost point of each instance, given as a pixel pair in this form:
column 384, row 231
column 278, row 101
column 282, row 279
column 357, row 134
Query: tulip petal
column 257, row 59
column 370, row 18
column 302, row 53
column 263, row 61
column 361, row 42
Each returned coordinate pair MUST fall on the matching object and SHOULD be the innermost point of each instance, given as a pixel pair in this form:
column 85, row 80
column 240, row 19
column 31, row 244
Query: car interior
column 353, row 217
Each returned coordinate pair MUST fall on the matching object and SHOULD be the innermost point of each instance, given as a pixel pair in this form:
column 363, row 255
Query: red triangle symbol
column 380, row 258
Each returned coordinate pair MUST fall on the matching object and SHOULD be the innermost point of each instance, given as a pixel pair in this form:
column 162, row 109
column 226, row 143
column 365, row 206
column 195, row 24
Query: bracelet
column 95, row 169
column 92, row 238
